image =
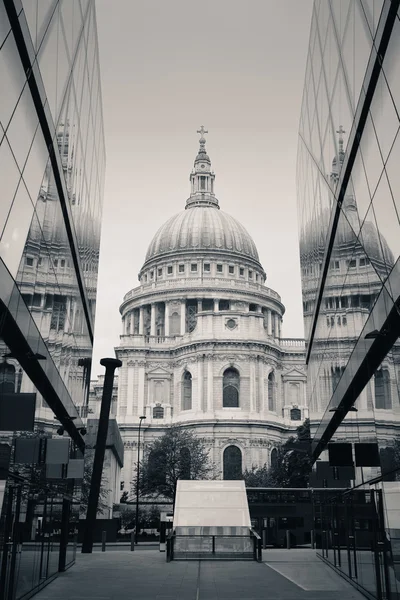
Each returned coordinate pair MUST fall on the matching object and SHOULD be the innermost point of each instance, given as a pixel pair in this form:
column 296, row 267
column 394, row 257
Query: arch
column 185, row 463
column 383, row 396
column 232, row 463
column 274, row 457
column 230, row 388
column 158, row 412
column 7, row 378
column 187, row 391
column 271, row 392
column 174, row 324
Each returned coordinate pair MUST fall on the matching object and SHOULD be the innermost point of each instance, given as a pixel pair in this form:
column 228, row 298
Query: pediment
column 294, row 375
column 159, row 373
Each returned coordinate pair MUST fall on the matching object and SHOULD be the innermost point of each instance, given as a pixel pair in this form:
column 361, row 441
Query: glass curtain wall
column 52, row 164
column 349, row 228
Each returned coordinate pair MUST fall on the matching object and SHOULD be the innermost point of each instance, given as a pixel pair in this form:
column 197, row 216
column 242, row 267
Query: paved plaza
column 145, row 575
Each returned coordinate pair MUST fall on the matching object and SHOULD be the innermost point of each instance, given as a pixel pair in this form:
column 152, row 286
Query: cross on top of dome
column 202, row 131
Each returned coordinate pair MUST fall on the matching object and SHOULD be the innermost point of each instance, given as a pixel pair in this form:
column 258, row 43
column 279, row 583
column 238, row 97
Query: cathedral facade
column 202, row 341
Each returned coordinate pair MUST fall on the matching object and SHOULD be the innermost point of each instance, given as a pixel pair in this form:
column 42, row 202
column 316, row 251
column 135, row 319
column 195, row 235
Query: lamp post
column 137, row 483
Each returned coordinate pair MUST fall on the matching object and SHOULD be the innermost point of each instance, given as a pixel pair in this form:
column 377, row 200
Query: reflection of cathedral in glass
column 202, row 341
column 360, row 262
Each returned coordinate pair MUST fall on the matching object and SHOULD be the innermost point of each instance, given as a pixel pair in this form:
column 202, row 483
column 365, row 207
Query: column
column 166, row 319
column 200, row 383
column 276, row 325
column 216, row 304
column 132, row 322
column 269, row 321
column 260, row 386
column 199, row 306
column 153, row 319
column 252, row 385
column 183, row 317
column 129, row 400
column 141, row 390
column 210, row 384
column 141, row 320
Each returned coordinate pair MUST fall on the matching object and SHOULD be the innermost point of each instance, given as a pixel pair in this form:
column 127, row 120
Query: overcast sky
column 167, row 67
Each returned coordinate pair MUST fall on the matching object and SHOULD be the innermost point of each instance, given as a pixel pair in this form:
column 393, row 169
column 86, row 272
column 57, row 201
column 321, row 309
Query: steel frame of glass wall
column 348, row 184
column 52, row 165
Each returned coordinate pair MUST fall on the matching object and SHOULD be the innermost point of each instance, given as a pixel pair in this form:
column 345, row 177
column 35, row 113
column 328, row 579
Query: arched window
column 271, row 392
column 295, row 414
column 7, row 378
column 187, row 391
column 231, row 384
column 184, row 466
column 232, row 463
column 174, row 324
column 274, row 457
column 383, row 396
column 158, row 412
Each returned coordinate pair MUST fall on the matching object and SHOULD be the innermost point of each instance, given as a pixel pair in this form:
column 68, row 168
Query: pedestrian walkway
column 123, row 575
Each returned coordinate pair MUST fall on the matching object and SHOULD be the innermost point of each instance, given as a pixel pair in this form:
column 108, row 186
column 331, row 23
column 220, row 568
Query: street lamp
column 137, row 483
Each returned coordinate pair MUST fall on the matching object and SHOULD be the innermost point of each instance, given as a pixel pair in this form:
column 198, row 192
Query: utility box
column 166, row 519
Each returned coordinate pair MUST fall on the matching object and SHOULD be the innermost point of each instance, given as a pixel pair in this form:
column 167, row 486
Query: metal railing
column 213, row 546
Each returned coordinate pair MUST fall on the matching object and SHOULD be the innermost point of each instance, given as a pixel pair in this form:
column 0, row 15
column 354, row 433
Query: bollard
column 103, row 540
column 312, row 539
column 264, row 538
column 132, row 541
column 288, row 539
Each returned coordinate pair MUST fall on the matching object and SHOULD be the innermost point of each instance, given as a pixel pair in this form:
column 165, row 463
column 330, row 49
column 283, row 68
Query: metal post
column 137, row 483
column 103, row 540
column 288, row 539
column 132, row 540
column 312, row 539
column 264, row 538
column 213, row 544
column 110, row 364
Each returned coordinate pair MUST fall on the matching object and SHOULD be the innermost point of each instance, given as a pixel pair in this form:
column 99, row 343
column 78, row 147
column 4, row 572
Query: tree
column 390, row 461
column 292, row 466
column 178, row 454
column 82, row 495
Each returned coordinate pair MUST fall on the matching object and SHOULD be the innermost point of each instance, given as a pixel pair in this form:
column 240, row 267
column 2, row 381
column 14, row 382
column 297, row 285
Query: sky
column 236, row 67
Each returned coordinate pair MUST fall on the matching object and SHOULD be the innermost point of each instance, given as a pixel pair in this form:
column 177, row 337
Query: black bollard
column 110, row 364
column 103, row 540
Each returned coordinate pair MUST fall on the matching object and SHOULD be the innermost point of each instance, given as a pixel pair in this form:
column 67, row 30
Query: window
column 158, row 412
column 187, row 391
column 271, row 392
column 352, row 263
column 151, row 274
column 274, row 457
column 231, row 270
column 383, row 397
column 62, row 263
column 256, row 276
column 202, row 183
column 232, row 463
column 219, row 268
column 169, row 270
column 174, row 324
column 224, row 305
column 339, row 320
column 145, row 277
column 181, row 268
column 253, row 307
column 207, row 267
column 40, row 261
column 295, row 414
column 362, row 262
column 55, row 262
column 250, row 274
column 230, row 389
column 344, row 320
column 29, row 261
column 7, row 378
column 207, row 304
column 37, row 299
column 159, row 272
column 193, row 267
column 241, row 272
column 336, row 373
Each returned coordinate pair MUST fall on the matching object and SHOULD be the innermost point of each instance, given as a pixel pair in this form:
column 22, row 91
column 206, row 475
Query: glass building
column 348, row 182
column 52, row 164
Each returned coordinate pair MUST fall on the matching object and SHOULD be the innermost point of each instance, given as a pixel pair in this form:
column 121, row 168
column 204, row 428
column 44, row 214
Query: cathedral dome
column 199, row 228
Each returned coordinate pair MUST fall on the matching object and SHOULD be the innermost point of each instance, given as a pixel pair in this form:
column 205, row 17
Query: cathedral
column 202, row 342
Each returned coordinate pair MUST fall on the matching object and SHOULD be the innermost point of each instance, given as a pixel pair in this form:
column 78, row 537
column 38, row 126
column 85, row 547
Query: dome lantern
column 202, row 177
